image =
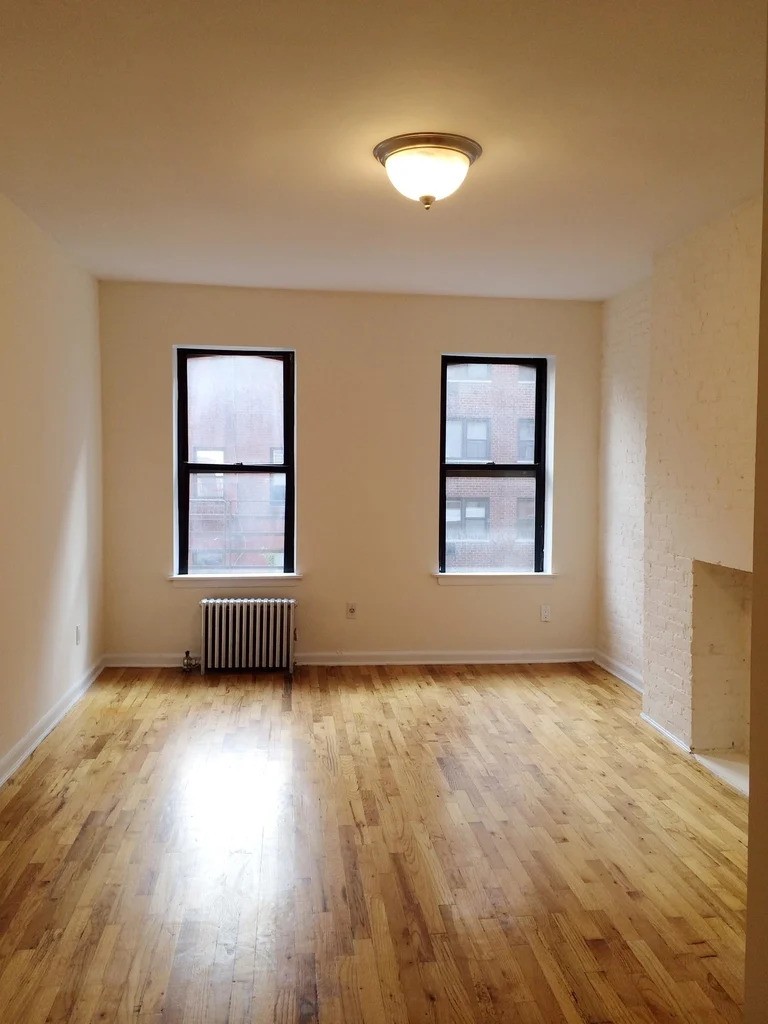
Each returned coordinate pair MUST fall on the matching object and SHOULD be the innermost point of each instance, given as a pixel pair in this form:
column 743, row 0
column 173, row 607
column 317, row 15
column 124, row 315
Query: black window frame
column 185, row 468
column 535, row 469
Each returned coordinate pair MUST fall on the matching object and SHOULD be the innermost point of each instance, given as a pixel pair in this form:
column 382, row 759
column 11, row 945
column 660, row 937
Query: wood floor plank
column 469, row 844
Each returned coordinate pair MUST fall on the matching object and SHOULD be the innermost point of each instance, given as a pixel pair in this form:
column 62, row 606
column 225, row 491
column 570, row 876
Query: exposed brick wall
column 700, row 442
column 626, row 345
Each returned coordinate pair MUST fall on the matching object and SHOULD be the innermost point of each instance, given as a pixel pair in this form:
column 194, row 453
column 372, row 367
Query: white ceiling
column 228, row 142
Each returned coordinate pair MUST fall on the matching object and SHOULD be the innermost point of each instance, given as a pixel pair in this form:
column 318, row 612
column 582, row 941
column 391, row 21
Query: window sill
column 493, row 579
column 198, row 581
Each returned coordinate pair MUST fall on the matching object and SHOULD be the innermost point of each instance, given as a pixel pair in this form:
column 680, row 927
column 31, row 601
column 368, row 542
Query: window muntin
column 235, row 413
column 492, row 505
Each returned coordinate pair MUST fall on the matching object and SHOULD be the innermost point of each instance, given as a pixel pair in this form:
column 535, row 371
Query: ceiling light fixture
column 427, row 166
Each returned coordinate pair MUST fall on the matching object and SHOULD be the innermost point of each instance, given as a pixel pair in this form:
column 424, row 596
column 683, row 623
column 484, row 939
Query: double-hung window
column 235, row 461
column 492, row 464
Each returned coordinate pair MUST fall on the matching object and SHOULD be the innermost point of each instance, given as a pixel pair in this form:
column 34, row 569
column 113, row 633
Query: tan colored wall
column 700, row 444
column 368, row 413
column 50, row 467
column 624, row 417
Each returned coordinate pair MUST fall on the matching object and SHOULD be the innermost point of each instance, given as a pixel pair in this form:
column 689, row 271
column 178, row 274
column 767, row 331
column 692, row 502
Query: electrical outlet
column 544, row 613
column 77, row 636
column 351, row 610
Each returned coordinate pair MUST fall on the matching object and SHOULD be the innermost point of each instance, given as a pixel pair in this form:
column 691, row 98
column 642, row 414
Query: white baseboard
column 442, row 657
column 144, row 660
column 731, row 766
column 623, row 672
column 378, row 658
column 18, row 754
column 666, row 733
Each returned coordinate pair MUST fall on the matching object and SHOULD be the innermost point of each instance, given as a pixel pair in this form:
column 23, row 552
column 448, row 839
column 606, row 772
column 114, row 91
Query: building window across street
column 467, row 440
column 526, row 438
column 492, row 464
column 466, row 519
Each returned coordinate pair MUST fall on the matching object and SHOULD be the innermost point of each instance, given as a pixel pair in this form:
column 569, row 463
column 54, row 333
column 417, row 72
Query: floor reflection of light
column 231, row 801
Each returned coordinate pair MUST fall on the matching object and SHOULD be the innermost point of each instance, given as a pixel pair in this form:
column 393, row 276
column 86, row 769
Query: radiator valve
column 188, row 662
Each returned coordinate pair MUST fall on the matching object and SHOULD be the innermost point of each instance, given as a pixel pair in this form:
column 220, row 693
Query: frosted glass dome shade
column 428, row 171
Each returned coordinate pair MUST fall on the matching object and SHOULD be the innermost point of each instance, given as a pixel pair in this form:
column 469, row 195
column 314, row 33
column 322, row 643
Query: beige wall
column 50, row 466
column 624, row 418
column 368, row 413
column 700, row 445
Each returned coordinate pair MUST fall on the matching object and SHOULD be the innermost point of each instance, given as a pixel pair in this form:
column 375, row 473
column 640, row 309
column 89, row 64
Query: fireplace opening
column 720, row 648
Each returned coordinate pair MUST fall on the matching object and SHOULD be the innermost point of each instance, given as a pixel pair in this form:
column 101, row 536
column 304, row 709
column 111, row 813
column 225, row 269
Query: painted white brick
column 699, row 471
column 626, row 345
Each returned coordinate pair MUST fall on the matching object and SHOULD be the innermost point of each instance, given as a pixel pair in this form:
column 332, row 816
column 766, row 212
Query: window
column 526, row 436
column 469, row 371
column 526, row 519
column 492, row 473
column 467, row 440
column 277, row 488
column 466, row 519
column 235, row 469
column 210, row 485
column 277, row 480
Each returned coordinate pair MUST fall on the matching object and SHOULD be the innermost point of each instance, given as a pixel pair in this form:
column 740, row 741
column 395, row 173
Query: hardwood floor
column 375, row 844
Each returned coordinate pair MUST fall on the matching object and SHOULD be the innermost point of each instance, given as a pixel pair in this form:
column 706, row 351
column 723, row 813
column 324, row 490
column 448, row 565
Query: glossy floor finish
column 373, row 844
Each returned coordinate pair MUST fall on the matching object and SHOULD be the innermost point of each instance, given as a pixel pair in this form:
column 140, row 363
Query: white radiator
column 248, row 632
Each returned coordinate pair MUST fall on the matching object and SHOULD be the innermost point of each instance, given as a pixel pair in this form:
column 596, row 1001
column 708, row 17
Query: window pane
column 243, row 528
column 235, row 406
column 490, row 535
column 497, row 407
column 277, row 488
column 526, row 374
column 209, row 485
